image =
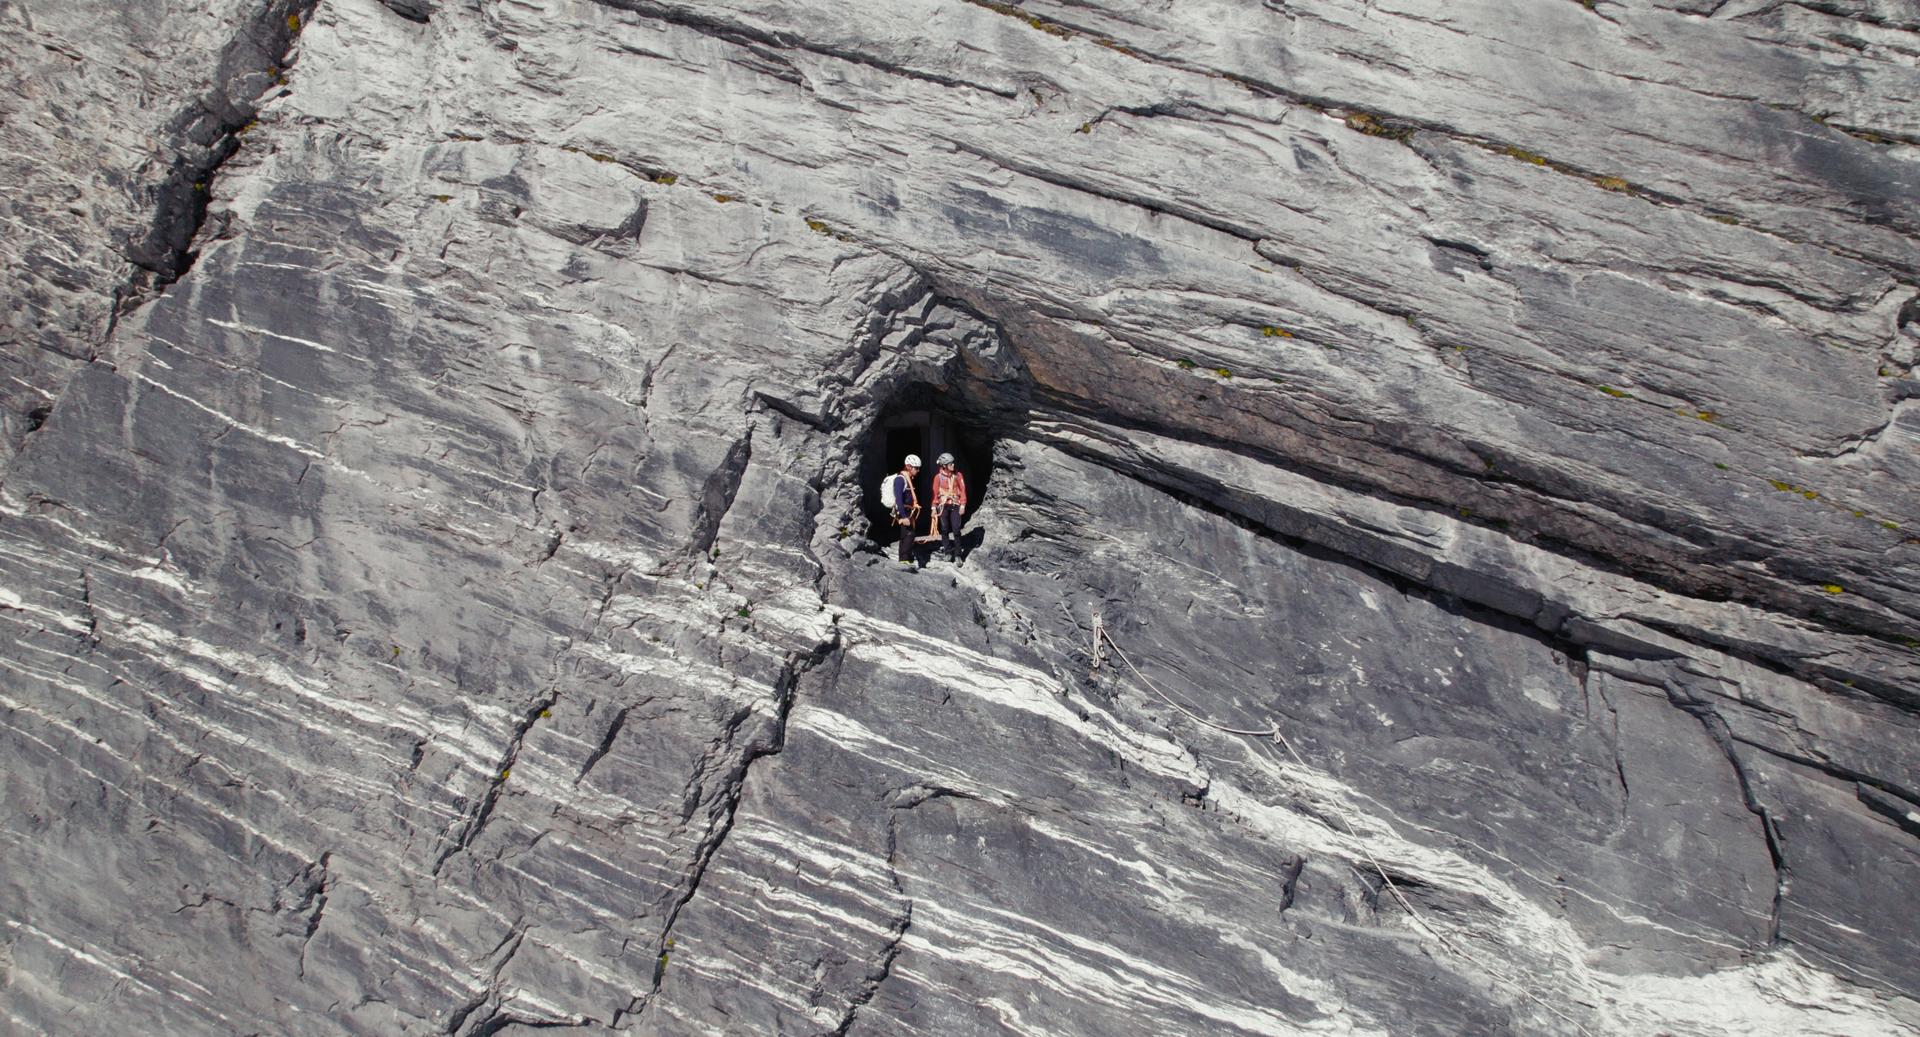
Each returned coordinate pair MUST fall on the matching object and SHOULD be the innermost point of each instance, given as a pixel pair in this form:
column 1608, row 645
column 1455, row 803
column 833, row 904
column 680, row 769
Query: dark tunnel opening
column 925, row 421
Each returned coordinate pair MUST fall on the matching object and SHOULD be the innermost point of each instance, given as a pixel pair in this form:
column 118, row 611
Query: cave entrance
column 919, row 423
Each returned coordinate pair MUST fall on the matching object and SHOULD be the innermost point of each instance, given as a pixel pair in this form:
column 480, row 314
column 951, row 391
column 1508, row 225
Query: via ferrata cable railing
column 1271, row 736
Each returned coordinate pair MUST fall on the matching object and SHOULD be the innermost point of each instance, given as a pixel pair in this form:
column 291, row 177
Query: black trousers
column 950, row 527
column 908, row 549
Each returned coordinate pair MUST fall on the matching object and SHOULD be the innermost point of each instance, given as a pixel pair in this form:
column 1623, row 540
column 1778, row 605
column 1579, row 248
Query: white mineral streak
column 276, row 336
column 1782, row 995
column 437, row 583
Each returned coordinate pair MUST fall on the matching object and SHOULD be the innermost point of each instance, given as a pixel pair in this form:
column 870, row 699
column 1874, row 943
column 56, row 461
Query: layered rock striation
column 1446, row 563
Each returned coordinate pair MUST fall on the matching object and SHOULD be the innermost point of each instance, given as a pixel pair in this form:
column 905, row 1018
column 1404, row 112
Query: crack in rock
column 717, row 495
column 1722, row 735
column 733, row 789
column 477, row 821
column 502, row 954
column 606, row 741
column 315, row 902
column 753, row 39
column 204, row 135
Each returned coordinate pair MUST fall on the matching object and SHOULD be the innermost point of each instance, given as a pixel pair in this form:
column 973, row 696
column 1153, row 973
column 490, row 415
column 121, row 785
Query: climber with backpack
column 900, row 498
column 949, row 502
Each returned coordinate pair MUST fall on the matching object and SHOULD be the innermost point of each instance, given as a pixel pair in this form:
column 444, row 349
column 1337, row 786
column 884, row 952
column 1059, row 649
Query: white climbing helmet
column 943, row 460
column 913, row 461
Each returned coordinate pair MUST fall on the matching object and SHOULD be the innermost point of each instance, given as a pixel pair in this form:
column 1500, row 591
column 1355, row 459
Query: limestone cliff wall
column 1446, row 564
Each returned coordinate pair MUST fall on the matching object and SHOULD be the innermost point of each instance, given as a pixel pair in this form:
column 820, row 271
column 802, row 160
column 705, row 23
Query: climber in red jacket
column 949, row 503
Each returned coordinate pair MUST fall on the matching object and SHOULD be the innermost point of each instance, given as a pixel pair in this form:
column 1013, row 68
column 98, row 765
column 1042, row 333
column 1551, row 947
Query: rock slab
column 1443, row 564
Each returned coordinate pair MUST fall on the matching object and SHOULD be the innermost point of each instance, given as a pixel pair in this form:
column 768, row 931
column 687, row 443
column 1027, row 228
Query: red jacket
column 950, row 488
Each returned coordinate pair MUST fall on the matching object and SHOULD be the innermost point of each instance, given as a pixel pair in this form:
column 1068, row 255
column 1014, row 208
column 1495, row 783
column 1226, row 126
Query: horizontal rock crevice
column 446, row 607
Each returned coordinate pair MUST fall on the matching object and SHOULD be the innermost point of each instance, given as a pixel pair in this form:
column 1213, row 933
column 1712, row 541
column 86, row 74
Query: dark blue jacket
column 903, row 496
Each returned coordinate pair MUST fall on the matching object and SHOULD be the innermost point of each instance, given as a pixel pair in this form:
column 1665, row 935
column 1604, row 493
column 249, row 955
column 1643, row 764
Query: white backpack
column 886, row 493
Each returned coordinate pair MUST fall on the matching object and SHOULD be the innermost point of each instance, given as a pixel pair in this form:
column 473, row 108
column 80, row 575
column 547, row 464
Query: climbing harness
column 1271, row 736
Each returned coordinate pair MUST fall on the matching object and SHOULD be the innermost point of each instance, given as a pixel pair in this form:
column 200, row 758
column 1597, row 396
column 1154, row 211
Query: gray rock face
column 1440, row 563
column 116, row 119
